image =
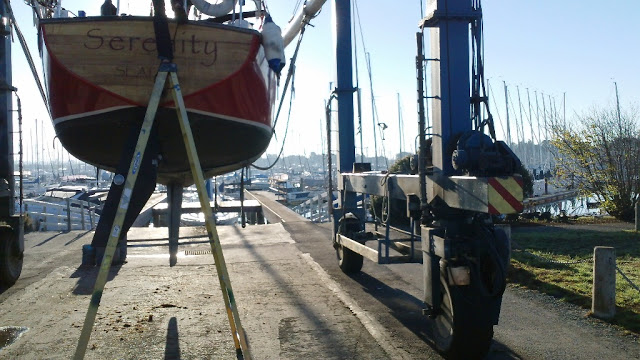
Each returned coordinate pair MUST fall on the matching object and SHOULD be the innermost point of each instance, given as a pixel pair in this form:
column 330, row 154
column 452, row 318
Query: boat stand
column 166, row 69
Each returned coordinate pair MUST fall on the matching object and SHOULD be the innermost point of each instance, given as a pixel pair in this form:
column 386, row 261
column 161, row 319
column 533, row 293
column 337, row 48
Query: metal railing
column 70, row 215
column 314, row 209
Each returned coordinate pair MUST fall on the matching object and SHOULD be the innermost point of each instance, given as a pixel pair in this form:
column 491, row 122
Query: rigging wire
column 296, row 7
column 374, row 109
column 27, row 54
column 290, row 74
column 498, row 113
column 358, row 94
column 284, row 139
column 290, row 78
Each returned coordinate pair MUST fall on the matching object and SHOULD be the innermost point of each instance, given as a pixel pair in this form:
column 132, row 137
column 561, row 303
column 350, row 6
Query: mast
column 533, row 150
column 37, row 156
column 400, row 125
column 521, row 127
column 544, row 115
column 506, row 101
column 617, row 102
column 373, row 110
column 539, row 131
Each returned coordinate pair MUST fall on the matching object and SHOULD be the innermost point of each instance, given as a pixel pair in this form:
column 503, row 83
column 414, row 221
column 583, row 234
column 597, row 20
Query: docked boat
column 100, row 72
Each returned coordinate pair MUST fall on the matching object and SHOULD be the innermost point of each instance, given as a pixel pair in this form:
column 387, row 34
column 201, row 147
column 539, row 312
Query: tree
column 600, row 156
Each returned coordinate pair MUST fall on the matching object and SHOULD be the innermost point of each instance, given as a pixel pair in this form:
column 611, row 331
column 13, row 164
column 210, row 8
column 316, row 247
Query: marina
column 182, row 155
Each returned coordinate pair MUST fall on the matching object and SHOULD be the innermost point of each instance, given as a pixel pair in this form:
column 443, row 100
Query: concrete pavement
column 152, row 311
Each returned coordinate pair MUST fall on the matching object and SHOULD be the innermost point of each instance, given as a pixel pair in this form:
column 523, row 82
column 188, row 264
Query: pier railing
column 69, row 215
column 314, row 209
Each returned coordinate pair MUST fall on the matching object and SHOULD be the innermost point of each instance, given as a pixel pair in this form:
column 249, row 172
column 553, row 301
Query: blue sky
column 555, row 47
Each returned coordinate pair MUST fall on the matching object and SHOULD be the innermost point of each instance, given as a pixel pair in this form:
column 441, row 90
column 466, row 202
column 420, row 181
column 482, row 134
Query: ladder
column 167, row 69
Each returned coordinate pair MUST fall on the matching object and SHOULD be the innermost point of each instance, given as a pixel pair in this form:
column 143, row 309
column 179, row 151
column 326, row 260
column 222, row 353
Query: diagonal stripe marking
column 506, row 195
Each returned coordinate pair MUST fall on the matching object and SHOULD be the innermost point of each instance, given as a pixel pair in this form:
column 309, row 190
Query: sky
column 572, row 51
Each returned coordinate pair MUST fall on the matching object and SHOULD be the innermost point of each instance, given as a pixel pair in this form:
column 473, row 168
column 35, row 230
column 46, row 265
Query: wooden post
column 44, row 219
column 637, row 216
column 603, row 303
column 260, row 216
column 68, row 215
column 82, row 215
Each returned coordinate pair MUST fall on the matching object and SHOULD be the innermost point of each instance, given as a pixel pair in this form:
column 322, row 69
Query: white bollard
column 603, row 304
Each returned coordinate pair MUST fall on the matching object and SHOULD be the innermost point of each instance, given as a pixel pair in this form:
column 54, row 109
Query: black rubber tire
column 349, row 261
column 10, row 262
column 460, row 337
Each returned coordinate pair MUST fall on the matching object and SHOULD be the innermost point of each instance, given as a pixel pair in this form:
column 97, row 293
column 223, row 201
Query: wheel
column 349, row 261
column 457, row 333
column 10, row 259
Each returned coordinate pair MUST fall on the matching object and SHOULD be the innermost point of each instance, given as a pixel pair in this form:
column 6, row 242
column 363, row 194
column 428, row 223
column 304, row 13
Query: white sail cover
column 218, row 9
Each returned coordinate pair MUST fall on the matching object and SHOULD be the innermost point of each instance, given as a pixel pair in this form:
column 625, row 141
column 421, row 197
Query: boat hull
column 99, row 82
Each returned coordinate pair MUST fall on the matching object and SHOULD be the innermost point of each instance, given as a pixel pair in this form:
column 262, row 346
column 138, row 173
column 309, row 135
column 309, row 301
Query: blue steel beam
column 451, row 110
column 344, row 92
column 6, row 115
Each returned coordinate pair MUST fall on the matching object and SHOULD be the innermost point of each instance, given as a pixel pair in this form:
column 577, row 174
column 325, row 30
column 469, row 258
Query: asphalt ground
column 294, row 303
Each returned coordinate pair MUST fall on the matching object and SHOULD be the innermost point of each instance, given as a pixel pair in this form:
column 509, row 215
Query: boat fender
column 219, row 9
column 273, row 45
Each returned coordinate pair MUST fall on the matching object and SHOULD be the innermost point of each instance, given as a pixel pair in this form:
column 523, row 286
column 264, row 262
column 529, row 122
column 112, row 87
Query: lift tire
column 457, row 334
column 10, row 261
column 350, row 262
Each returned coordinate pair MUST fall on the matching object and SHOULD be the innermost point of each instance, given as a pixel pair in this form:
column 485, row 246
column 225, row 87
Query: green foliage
column 599, row 156
column 402, row 166
column 397, row 208
column 527, row 181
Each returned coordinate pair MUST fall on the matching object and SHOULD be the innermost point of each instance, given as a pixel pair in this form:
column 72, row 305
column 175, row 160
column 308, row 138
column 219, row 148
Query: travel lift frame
column 470, row 178
column 11, row 225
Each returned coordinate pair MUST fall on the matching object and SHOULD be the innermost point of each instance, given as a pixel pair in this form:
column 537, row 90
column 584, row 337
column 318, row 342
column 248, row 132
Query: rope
column 27, row 54
column 385, row 182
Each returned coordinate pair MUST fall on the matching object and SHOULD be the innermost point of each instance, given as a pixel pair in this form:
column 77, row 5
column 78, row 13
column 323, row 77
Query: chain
column 628, row 280
column 581, row 261
column 552, row 261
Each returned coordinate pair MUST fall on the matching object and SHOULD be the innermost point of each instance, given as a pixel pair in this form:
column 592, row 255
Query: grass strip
column 570, row 276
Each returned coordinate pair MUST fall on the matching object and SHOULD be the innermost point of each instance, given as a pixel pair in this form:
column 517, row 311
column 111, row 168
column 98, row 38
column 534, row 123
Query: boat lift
column 11, row 224
column 464, row 178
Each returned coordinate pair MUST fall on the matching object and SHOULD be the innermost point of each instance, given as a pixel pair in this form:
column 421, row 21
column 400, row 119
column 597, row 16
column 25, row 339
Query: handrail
column 71, row 215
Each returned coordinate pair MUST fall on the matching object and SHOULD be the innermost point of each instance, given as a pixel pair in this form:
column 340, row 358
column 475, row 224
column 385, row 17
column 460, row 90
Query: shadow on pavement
column 77, row 237
column 293, row 331
column 87, row 275
column 407, row 309
column 172, row 347
column 48, row 239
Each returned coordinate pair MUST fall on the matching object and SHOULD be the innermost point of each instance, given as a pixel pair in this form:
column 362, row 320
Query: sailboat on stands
column 100, row 71
column 99, row 75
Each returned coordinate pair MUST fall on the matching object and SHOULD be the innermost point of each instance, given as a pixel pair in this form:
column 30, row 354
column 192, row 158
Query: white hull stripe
column 200, row 112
